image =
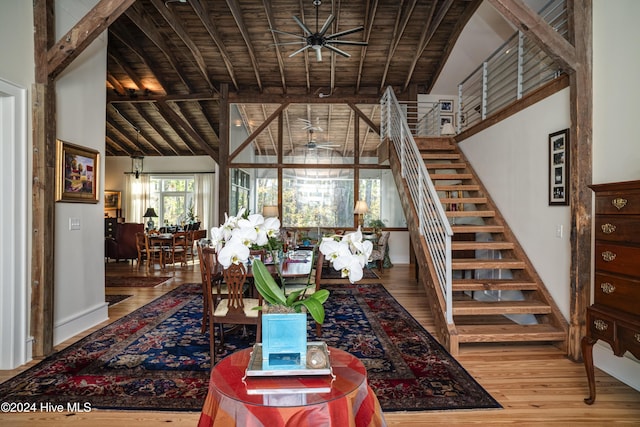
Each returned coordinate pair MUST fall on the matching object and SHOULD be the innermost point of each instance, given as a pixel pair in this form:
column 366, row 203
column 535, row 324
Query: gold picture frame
column 77, row 173
column 112, row 200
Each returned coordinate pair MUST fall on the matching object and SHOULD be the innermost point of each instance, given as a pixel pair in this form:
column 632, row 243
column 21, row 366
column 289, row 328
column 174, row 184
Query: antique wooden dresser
column 614, row 316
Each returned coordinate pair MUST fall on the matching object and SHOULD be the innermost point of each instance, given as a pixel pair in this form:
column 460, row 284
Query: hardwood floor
column 536, row 384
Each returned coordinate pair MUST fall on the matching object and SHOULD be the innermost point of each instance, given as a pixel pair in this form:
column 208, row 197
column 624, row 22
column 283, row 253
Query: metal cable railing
column 432, row 221
column 515, row 69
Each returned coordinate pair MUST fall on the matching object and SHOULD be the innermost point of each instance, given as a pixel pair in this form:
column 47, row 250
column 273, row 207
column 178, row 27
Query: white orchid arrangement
column 348, row 253
column 234, row 239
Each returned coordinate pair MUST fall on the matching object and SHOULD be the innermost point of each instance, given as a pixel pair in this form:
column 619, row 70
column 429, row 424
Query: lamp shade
column 447, row 129
column 361, row 207
column 270, row 211
column 150, row 213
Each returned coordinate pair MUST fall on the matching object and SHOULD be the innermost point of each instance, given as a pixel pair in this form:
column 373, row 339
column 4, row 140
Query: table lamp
column 150, row 213
column 270, row 211
column 361, row 209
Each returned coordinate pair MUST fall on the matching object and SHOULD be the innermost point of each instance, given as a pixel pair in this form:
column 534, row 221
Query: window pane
column 266, row 188
column 317, row 198
column 378, row 189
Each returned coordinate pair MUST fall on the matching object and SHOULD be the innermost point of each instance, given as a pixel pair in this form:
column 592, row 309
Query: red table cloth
column 308, row 401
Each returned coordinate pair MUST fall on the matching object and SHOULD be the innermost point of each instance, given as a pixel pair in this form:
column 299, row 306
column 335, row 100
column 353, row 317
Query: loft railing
column 432, row 221
column 515, row 69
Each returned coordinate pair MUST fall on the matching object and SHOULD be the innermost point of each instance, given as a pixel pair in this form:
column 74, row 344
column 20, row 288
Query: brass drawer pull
column 607, row 288
column 619, row 203
column 608, row 228
column 608, row 256
column 637, row 337
column 600, row 325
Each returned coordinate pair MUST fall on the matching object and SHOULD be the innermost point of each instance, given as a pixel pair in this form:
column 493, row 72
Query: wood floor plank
column 535, row 383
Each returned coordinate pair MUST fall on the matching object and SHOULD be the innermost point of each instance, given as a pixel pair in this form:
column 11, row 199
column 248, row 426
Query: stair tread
column 450, row 176
column 457, row 187
column 446, row 165
column 482, row 308
column 492, row 284
column 443, row 156
column 491, row 264
column 470, row 200
column 477, row 229
column 510, row 332
column 482, row 214
column 481, row 245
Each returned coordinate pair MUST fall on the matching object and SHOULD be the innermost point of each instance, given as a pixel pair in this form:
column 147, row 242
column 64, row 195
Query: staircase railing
column 433, row 223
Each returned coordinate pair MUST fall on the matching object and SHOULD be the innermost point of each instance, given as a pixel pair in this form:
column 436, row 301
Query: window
column 378, row 189
column 240, row 191
column 173, row 198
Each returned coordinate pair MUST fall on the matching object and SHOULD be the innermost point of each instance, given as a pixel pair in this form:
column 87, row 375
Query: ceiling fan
column 307, row 125
column 312, row 144
column 319, row 39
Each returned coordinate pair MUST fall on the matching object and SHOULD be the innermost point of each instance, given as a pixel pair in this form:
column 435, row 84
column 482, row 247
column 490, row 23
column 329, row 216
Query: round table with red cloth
column 344, row 401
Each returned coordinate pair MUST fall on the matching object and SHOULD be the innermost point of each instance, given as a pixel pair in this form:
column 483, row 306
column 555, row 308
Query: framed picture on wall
column 77, row 173
column 446, row 106
column 559, row 168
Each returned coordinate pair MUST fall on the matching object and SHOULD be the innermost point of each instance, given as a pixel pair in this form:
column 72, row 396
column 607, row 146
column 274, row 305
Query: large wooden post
column 223, row 178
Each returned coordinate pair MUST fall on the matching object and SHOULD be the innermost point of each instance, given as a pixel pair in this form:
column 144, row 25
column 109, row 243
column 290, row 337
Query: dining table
column 165, row 241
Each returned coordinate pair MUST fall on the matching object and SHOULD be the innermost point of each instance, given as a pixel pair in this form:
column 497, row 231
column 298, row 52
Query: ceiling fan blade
column 338, row 51
column 300, row 50
column 289, row 34
column 327, row 24
column 345, row 32
column 323, row 147
column 301, row 24
column 347, row 42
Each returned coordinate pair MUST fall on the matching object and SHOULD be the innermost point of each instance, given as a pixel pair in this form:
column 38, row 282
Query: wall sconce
column 361, row 209
column 150, row 213
column 136, row 165
column 270, row 211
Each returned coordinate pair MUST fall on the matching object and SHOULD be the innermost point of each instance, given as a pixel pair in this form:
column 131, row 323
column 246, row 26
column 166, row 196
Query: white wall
column 616, row 146
column 79, row 254
column 511, row 160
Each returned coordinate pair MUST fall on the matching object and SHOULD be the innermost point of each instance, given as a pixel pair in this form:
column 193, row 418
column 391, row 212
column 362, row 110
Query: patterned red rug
column 331, row 273
column 156, row 358
column 133, row 281
column 115, row 299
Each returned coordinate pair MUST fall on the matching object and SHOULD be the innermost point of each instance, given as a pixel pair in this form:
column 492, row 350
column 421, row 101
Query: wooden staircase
column 497, row 294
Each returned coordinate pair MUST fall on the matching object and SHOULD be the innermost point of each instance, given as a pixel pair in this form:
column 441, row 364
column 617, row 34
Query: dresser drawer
column 618, row 293
column 623, row 202
column 628, row 336
column 617, row 258
column 601, row 326
column 618, row 228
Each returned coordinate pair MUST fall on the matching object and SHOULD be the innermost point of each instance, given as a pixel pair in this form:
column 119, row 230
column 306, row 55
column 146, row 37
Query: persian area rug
column 331, row 273
column 156, row 358
column 134, row 281
column 115, row 299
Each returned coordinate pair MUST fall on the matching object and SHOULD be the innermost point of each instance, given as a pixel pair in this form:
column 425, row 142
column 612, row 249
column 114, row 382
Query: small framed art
column 559, row 168
column 77, row 173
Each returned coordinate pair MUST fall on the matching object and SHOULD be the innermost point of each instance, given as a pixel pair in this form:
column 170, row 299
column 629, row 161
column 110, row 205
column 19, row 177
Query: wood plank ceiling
column 167, row 62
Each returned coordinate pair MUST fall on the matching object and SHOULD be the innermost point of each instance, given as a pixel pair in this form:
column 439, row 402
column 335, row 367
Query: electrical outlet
column 559, row 231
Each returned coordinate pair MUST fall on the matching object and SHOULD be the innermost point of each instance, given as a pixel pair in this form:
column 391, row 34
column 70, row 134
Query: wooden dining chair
column 176, row 250
column 141, row 248
column 380, row 250
column 154, row 252
column 233, row 309
column 211, row 275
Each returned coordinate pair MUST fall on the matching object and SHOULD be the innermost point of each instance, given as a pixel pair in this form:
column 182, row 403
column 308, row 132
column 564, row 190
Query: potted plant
column 377, row 226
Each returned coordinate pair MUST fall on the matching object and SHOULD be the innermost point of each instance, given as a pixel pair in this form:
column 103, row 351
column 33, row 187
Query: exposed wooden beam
column 257, row 132
column 201, row 9
column 427, row 33
column 370, row 13
column 117, row 87
column 142, row 98
column 43, row 184
column 190, row 120
column 81, row 35
column 142, row 19
column 135, row 141
column 234, row 6
column 365, row 118
column 159, row 130
column 402, row 19
column 176, row 121
column 271, row 20
column 130, row 73
column 180, row 31
column 534, row 27
column 581, row 155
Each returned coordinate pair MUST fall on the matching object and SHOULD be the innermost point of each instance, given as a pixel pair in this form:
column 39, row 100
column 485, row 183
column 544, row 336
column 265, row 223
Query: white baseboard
column 624, row 368
column 80, row 322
